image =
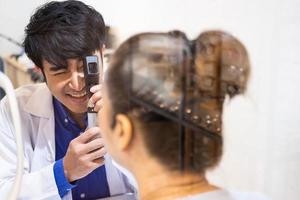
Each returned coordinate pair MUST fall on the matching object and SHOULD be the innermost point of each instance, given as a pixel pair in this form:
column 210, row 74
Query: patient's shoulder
column 247, row 196
column 224, row 194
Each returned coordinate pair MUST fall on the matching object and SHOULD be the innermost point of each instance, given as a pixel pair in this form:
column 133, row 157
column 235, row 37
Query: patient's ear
column 123, row 132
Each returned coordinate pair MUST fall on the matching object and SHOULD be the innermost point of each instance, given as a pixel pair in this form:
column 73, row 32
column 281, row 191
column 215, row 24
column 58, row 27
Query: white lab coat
column 37, row 118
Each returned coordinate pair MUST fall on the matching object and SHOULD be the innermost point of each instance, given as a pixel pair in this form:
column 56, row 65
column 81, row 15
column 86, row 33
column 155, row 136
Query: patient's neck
column 159, row 183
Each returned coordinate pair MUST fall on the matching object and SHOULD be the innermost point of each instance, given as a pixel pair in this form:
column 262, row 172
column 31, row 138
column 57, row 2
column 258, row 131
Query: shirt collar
column 64, row 115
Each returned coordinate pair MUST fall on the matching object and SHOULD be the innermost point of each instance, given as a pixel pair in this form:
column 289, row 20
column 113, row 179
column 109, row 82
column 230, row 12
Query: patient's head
column 157, row 81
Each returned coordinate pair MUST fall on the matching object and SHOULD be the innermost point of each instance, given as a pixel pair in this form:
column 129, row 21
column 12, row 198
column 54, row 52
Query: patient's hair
column 58, row 31
column 152, row 74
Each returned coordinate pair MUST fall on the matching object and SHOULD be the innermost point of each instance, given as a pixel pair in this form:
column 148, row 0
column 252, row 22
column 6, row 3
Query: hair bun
column 165, row 66
column 221, row 64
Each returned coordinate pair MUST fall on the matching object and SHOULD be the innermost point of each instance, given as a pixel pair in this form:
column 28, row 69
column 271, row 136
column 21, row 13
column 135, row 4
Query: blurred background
column 261, row 128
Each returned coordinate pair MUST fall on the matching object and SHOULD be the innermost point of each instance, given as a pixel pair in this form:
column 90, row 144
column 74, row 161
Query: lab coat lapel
column 40, row 102
column 40, row 105
column 114, row 177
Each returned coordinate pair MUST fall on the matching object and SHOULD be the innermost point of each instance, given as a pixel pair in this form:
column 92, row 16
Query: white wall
column 262, row 129
column 14, row 16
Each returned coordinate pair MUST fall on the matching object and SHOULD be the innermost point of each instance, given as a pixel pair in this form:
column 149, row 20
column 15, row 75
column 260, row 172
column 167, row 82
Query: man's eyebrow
column 54, row 68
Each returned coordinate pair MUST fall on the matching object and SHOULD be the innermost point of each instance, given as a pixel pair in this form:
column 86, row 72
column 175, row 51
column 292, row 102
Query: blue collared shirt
column 93, row 185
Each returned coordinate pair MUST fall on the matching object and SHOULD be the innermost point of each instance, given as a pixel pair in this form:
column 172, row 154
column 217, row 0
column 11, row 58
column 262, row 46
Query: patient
column 162, row 113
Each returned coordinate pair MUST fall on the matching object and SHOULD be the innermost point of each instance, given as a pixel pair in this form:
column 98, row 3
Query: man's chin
column 81, row 110
column 77, row 108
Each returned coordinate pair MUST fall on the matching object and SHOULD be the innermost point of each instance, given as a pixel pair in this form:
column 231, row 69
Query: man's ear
column 44, row 75
column 123, row 132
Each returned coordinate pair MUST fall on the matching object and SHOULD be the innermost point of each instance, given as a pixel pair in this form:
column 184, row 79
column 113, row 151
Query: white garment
column 225, row 195
column 38, row 129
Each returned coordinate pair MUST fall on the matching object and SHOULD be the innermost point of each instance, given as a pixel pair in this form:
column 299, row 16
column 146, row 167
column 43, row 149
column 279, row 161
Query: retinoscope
column 92, row 71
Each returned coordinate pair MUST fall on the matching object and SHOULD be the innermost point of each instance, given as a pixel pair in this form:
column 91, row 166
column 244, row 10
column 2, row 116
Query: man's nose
column 77, row 81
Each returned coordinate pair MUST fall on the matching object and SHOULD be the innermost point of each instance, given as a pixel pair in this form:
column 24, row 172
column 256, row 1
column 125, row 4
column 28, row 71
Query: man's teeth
column 77, row 95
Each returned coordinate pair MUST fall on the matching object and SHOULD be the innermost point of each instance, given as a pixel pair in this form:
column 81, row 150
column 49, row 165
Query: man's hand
column 85, row 154
column 96, row 98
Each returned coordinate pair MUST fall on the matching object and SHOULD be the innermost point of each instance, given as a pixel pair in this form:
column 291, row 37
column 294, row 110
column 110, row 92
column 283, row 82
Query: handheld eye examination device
column 92, row 71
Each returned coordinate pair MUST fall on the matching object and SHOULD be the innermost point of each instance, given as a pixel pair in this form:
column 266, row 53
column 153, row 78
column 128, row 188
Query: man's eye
column 59, row 73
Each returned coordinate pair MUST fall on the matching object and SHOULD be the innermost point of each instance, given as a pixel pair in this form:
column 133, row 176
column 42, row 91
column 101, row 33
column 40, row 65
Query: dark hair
column 152, row 75
column 58, row 31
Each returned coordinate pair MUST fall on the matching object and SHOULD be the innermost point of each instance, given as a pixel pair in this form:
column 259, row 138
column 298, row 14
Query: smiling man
column 63, row 159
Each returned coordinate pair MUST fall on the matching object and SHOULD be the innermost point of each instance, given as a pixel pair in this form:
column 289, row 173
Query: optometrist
column 63, row 159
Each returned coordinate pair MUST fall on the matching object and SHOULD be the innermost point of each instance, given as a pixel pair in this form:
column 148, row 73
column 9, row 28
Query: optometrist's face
column 67, row 84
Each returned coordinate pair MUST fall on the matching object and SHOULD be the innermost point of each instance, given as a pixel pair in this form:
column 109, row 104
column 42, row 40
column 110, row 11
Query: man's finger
column 97, row 154
column 96, row 88
column 89, row 134
column 95, row 97
column 98, row 106
column 93, row 145
column 98, row 162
